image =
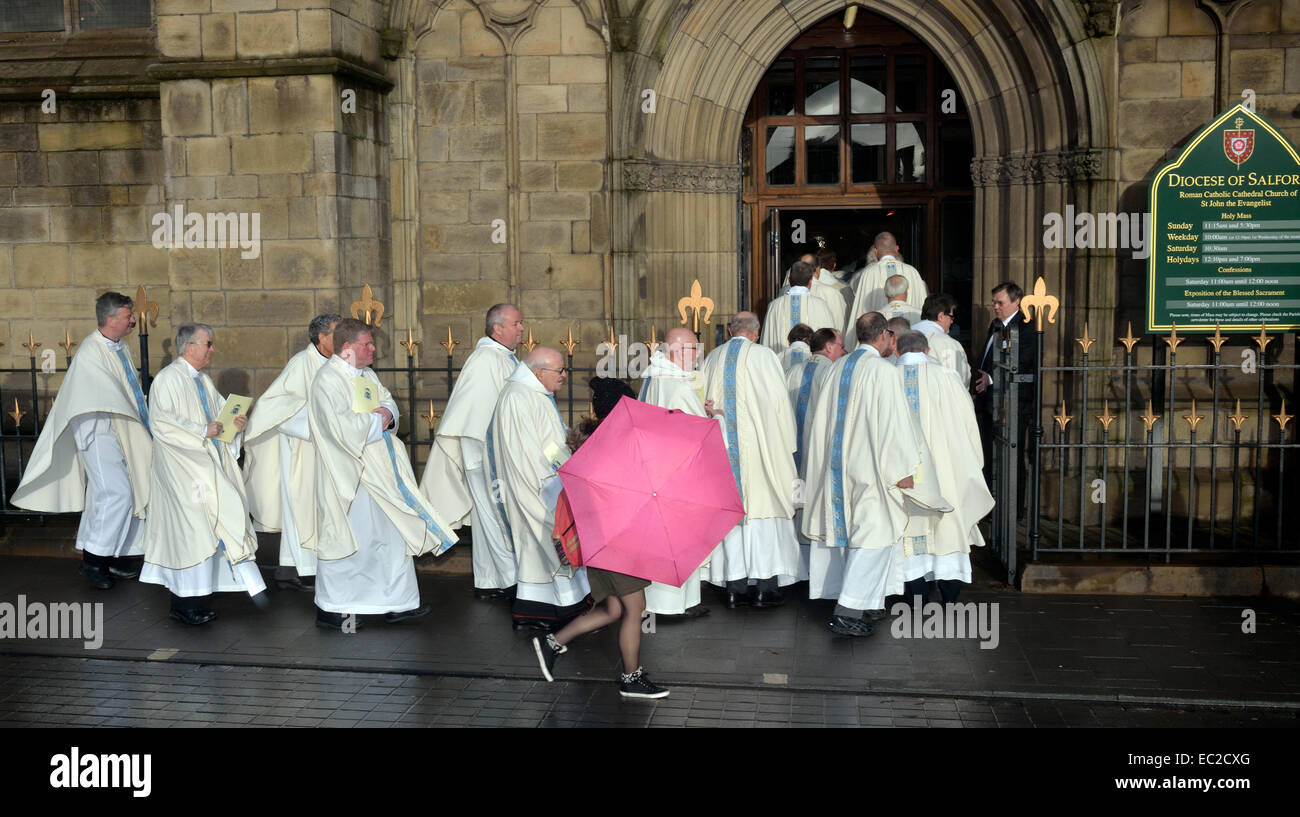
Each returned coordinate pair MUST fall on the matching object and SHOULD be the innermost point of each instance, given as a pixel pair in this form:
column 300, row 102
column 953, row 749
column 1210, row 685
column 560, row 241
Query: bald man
column 670, row 382
column 525, row 446
column 745, row 380
column 870, row 285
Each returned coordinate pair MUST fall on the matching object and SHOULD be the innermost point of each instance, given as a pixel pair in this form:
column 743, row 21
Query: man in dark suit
column 1006, row 308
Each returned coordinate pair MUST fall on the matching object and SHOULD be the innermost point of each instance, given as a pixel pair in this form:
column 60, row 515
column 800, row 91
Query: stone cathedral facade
column 588, row 159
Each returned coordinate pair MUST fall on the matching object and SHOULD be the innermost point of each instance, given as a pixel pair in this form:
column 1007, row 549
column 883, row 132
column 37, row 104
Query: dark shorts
column 606, row 583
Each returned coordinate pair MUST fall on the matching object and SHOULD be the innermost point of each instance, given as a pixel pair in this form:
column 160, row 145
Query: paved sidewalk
column 1080, row 649
column 36, row 691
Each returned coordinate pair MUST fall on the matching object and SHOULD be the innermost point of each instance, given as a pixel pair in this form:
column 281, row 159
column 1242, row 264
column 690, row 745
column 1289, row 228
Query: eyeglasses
column 557, row 371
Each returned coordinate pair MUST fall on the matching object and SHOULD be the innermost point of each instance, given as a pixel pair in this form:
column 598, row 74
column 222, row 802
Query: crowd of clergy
column 846, row 415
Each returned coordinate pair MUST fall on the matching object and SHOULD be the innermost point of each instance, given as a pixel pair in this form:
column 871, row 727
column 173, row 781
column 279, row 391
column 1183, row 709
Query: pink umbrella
column 652, row 492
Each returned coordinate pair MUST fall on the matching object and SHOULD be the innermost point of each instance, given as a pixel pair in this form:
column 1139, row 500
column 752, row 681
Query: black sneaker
column 547, row 653
column 637, row 685
column 842, row 625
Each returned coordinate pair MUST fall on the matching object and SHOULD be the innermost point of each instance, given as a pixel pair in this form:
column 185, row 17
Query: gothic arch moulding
column 507, row 19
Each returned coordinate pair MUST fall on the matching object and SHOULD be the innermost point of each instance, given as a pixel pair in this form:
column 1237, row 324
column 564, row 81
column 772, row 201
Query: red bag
column 565, row 534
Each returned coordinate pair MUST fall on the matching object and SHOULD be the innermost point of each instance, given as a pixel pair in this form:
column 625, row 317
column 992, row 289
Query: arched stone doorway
column 1026, row 70
column 854, row 130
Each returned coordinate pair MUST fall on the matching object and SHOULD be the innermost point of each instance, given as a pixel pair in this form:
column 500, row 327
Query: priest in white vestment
column 828, row 280
column 804, row 383
column 457, row 479
column 744, row 379
column 798, row 351
column 869, row 287
column 897, row 305
column 526, row 445
column 671, row 382
column 796, row 306
column 372, row 517
column 94, row 451
column 861, row 484
column 937, row 317
column 938, row 547
column 280, row 460
column 198, row 539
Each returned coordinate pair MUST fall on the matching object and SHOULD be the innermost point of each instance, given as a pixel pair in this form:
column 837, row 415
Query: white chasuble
column 526, row 446
column 457, row 480
column 280, row 462
column 797, row 306
column 946, row 350
column 745, row 380
column 353, row 453
column 870, row 292
column 946, row 418
column 198, row 538
column 100, row 387
column 794, row 355
column 666, row 385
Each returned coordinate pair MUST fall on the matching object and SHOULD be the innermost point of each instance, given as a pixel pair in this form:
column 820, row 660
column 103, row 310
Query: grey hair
column 320, row 325
column 539, row 357
column 496, row 316
column 895, row 285
column 912, row 341
column 106, row 305
column 744, row 323
column 187, row 332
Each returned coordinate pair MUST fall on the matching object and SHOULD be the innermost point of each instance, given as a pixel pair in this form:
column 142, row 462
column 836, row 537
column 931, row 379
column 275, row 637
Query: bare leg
column 593, row 619
column 629, row 632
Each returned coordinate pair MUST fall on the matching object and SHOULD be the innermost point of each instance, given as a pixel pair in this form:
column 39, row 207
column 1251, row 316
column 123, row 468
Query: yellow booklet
column 365, row 395
column 236, row 404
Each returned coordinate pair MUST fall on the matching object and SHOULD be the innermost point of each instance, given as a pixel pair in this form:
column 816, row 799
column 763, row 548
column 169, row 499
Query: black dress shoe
column 98, row 577
column 196, row 616
column 769, row 598
column 337, row 621
column 532, row 624
column 490, row 593
column 735, row 600
column 422, row 610
column 853, row 627
column 296, row 583
column 126, row 567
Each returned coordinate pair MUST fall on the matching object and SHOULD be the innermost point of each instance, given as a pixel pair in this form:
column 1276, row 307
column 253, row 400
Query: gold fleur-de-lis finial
column 613, row 342
column 1237, row 418
column 697, row 302
column 1106, row 418
column 31, row 345
column 1193, row 418
column 1283, row 418
column 591, row 411
column 529, row 344
column 18, row 415
column 450, row 343
column 369, row 306
column 411, row 345
column 1128, row 340
column 145, row 308
column 1262, row 340
column 1150, row 418
column 569, row 343
column 1218, row 339
column 654, row 340
column 1040, row 302
column 1062, row 419
column 431, row 417
column 1173, row 340
column 1085, row 342
column 67, row 343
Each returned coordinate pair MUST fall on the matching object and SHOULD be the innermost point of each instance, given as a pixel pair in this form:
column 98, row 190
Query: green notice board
column 1225, row 230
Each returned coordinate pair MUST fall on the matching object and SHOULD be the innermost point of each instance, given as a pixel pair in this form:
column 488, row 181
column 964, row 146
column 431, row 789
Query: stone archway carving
column 1031, row 78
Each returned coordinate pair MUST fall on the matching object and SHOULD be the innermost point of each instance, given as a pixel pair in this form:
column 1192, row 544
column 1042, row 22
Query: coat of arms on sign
column 1238, row 144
